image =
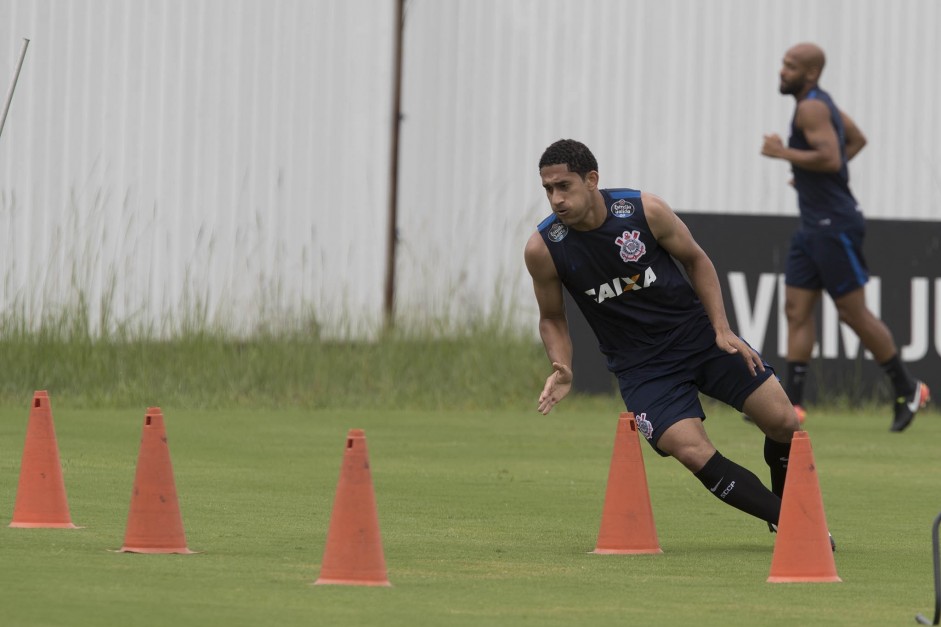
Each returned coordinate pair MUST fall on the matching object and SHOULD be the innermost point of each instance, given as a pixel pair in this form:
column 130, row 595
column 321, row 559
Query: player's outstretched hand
column 557, row 387
column 731, row 343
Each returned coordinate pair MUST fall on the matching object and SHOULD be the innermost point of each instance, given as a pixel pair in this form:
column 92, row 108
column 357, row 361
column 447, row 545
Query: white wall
column 673, row 96
column 234, row 153
column 223, row 153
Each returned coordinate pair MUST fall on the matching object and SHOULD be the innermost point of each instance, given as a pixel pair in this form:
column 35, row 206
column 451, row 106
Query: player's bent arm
column 813, row 118
column 855, row 140
column 553, row 325
column 674, row 236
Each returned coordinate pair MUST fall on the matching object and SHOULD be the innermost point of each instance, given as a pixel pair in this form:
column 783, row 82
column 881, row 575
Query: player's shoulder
column 552, row 230
column 547, row 222
column 622, row 202
column 654, row 203
column 621, row 192
column 535, row 245
column 537, row 256
column 625, row 201
column 816, row 104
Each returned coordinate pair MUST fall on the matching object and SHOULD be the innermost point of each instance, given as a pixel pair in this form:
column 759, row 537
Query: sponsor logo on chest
column 621, row 284
column 632, row 249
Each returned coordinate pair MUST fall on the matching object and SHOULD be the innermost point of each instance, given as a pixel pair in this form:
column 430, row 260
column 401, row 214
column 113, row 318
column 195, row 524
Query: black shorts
column 666, row 389
column 827, row 259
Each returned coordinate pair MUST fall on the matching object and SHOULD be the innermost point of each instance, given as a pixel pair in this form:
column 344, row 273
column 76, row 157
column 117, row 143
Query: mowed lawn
column 487, row 518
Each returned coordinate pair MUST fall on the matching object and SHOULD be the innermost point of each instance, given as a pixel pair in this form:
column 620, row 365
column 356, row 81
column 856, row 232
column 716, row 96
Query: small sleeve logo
column 558, row 232
column 622, row 209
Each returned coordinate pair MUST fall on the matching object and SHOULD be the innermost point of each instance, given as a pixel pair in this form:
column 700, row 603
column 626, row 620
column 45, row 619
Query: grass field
column 487, row 518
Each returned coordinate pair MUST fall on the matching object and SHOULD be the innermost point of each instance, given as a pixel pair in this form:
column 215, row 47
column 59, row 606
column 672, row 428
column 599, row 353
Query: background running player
column 827, row 251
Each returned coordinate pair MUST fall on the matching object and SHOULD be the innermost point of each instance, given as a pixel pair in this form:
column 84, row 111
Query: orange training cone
column 802, row 551
column 627, row 519
column 40, row 497
column 154, row 524
column 353, row 555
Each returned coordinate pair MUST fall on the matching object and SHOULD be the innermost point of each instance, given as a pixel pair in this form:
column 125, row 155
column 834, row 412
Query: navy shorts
column 827, row 259
column 665, row 389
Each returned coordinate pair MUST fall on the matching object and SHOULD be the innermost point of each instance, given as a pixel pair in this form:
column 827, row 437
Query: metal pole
column 920, row 619
column 16, row 75
column 392, row 233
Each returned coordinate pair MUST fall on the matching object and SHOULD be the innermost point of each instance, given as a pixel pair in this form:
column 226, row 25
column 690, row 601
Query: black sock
column 796, row 373
column 903, row 382
column 776, row 455
column 740, row 488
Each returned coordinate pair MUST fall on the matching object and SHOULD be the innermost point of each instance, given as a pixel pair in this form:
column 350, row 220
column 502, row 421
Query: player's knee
column 777, row 420
column 849, row 315
column 784, row 431
column 795, row 314
column 693, row 456
column 782, row 427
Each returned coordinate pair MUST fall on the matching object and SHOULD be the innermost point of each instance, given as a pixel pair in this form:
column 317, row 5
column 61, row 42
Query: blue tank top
column 630, row 290
column 824, row 198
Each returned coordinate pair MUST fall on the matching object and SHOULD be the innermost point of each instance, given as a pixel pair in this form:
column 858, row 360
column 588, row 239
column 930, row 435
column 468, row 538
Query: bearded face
column 792, row 85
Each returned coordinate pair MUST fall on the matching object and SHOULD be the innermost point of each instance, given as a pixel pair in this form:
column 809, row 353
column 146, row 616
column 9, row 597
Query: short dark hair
column 572, row 153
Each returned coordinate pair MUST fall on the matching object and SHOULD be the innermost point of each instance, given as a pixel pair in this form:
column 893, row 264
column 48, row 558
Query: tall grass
column 486, row 365
column 88, row 334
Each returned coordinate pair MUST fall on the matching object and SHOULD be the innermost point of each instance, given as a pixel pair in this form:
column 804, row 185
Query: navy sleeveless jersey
column 630, row 290
column 824, row 198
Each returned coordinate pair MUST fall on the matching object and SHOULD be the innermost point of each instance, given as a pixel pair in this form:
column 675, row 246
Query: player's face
column 793, row 76
column 569, row 194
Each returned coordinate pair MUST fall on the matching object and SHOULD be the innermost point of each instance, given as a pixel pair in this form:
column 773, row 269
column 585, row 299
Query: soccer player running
column 827, row 250
column 666, row 338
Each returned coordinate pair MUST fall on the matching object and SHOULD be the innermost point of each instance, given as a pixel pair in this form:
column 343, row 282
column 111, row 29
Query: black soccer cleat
column 907, row 407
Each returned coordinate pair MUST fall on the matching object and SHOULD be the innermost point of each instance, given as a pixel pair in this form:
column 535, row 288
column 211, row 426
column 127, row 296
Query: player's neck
column 802, row 95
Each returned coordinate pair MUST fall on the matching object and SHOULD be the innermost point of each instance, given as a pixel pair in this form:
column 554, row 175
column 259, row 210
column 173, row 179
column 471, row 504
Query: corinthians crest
column 632, row 248
column 644, row 425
